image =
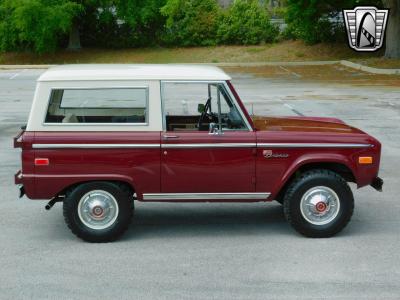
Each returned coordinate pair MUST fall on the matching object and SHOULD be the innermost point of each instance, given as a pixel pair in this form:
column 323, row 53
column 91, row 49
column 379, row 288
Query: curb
column 222, row 64
column 369, row 69
column 277, row 63
column 345, row 63
column 19, row 67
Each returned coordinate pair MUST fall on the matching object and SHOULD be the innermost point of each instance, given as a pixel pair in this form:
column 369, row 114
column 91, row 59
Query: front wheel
column 98, row 211
column 319, row 203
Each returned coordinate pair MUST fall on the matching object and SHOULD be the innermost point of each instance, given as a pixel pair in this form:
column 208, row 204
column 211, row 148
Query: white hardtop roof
column 133, row 72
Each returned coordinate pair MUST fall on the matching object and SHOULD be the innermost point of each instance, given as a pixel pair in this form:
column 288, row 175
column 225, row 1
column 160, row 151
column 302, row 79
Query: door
column 207, row 149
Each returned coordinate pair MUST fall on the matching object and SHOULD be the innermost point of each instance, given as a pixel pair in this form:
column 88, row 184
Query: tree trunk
column 74, row 38
column 393, row 29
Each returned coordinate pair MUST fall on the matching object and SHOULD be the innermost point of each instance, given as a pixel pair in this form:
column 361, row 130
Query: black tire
column 124, row 201
column 305, row 183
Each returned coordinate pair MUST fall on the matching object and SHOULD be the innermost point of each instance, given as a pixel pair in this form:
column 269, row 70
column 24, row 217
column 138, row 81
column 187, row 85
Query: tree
column 304, row 16
column 246, row 22
column 191, row 22
column 309, row 19
column 35, row 24
column 120, row 23
column 96, row 18
column 393, row 29
column 143, row 17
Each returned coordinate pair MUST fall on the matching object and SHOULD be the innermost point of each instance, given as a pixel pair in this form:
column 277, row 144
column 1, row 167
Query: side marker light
column 365, row 160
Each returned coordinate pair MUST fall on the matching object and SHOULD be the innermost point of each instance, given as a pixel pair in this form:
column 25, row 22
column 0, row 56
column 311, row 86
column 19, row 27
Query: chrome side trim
column 96, row 124
column 206, row 196
column 312, row 145
column 203, row 145
column 92, row 146
column 210, row 145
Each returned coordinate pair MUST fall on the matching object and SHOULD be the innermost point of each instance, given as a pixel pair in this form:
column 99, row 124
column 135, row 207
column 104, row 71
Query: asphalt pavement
column 215, row 251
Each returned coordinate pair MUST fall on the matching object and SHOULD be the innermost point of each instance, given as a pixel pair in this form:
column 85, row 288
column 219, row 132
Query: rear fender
column 49, row 186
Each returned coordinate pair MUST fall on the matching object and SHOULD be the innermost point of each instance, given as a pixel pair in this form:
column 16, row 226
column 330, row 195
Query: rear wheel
column 98, row 211
column 319, row 203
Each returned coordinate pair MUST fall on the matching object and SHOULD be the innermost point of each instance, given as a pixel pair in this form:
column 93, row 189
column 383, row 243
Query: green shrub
column 309, row 19
column 35, row 24
column 320, row 31
column 121, row 23
column 191, row 22
column 246, row 22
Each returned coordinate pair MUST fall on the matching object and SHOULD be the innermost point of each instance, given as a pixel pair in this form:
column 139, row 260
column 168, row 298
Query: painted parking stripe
column 293, row 109
column 17, row 74
column 290, row 72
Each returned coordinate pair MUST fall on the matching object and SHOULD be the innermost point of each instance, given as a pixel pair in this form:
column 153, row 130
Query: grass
column 283, row 51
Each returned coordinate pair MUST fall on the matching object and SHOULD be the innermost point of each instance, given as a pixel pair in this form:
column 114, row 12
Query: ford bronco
column 101, row 136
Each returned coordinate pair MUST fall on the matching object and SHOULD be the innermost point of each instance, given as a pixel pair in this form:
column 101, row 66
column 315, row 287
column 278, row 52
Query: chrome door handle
column 170, row 137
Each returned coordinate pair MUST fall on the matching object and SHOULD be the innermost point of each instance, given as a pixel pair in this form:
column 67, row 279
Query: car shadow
column 205, row 220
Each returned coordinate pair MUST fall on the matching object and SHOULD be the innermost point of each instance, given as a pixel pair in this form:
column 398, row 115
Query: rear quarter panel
column 139, row 167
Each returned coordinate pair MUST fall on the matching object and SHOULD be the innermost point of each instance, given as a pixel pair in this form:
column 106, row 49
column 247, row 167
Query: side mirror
column 200, row 108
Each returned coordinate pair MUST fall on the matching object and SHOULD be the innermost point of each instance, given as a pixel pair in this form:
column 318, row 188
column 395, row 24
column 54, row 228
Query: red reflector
column 41, row 161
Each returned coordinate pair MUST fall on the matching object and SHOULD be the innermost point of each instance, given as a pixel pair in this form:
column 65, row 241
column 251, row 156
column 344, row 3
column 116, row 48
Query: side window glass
column 181, row 103
column 111, row 105
column 230, row 115
column 199, row 107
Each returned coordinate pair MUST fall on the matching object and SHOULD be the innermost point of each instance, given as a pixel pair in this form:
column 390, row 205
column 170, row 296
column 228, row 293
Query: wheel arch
column 339, row 166
column 124, row 184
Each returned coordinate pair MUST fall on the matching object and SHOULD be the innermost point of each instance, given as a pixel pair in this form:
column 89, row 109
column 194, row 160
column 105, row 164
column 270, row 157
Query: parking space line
column 293, row 109
column 13, row 76
column 290, row 72
column 17, row 74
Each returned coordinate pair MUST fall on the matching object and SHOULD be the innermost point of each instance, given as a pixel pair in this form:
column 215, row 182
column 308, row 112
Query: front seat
column 70, row 118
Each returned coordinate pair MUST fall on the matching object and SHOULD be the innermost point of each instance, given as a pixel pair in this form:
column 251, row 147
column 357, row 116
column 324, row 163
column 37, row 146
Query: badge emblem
column 365, row 27
column 270, row 154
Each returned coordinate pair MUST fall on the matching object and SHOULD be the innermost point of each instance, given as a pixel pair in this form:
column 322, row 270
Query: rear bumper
column 18, row 140
column 377, row 184
column 18, row 179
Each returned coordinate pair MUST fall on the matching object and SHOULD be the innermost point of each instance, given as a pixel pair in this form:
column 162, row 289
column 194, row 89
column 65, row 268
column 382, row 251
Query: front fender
column 312, row 159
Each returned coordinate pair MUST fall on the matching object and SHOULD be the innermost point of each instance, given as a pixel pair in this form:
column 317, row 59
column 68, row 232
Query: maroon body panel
column 139, row 167
column 28, row 167
column 209, row 169
column 275, row 171
column 311, row 130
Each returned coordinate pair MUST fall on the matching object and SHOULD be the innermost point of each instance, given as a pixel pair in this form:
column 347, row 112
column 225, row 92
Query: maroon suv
column 101, row 136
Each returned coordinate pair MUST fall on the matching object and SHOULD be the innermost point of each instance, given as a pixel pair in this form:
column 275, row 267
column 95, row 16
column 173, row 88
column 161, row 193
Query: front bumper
column 377, row 183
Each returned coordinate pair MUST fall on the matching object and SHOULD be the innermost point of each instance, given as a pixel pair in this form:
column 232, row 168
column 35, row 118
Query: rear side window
column 109, row 105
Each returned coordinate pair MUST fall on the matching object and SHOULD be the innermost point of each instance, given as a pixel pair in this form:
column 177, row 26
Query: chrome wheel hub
column 320, row 205
column 98, row 209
